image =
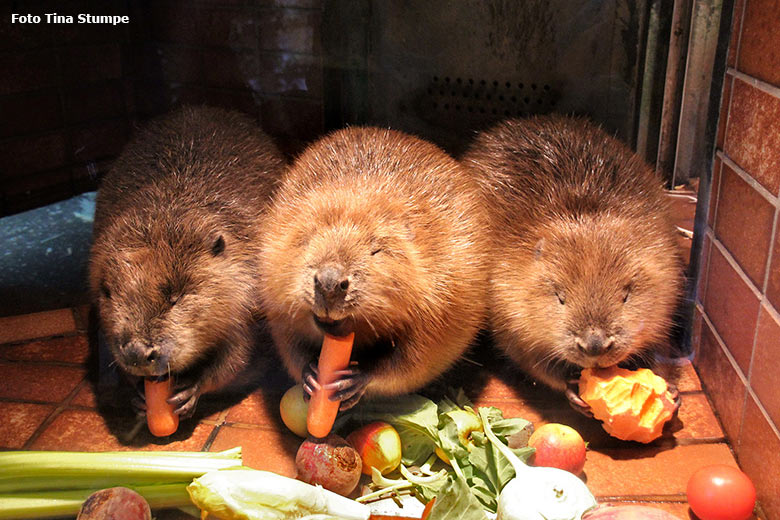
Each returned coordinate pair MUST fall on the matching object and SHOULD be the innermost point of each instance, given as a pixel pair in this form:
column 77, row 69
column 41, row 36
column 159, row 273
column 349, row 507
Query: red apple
column 379, row 446
column 558, row 446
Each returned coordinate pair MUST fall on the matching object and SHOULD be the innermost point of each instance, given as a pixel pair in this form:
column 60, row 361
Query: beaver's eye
column 561, row 297
column 626, row 293
column 375, row 251
column 218, row 247
column 104, row 291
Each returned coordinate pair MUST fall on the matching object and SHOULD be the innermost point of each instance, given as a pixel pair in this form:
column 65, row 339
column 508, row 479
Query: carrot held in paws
column 334, row 356
column 159, row 413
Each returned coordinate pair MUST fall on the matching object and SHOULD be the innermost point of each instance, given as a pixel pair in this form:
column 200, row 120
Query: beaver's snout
column 594, row 342
column 331, row 283
column 334, row 327
column 143, row 355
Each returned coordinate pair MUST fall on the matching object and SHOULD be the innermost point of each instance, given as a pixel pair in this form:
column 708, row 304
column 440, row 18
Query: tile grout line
column 735, row 366
column 38, row 363
column 766, row 88
column 59, row 408
column 738, row 46
column 212, row 437
column 763, row 304
column 723, row 347
column 15, row 343
column 720, row 179
column 762, row 300
column 250, row 426
column 735, row 265
column 746, row 177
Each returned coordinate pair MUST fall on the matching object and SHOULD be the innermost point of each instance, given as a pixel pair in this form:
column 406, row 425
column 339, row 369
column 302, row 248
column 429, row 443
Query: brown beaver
column 381, row 233
column 586, row 269
column 173, row 265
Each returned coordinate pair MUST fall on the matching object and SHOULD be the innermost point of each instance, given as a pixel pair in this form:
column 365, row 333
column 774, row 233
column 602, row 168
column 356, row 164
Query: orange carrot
column 334, row 356
column 427, row 511
column 159, row 413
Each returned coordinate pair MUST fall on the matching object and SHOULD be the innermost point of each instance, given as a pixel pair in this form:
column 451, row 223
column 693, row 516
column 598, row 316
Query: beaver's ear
column 218, row 246
column 538, row 249
column 104, row 290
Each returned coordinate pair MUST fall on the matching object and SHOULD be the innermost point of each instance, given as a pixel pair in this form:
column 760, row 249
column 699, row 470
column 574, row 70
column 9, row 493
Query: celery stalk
column 44, row 504
column 57, row 470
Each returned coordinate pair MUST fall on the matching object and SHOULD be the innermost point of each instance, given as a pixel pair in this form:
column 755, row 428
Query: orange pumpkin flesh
column 634, row 405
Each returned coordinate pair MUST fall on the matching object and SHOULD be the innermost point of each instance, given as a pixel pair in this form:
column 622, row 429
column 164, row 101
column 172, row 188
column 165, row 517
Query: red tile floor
column 48, row 402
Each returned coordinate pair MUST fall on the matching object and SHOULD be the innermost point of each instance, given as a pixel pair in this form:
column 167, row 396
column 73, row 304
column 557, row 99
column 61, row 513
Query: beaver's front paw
column 138, row 401
column 576, row 402
column 185, row 398
column 348, row 387
column 674, row 395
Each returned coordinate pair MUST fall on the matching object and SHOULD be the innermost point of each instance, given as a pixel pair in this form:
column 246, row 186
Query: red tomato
column 721, row 492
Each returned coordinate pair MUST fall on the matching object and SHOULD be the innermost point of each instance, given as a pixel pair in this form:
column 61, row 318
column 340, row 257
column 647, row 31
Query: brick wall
column 70, row 94
column 737, row 325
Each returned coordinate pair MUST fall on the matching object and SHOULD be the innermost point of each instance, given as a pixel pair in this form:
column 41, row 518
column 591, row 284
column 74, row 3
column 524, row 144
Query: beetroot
column 330, row 462
column 117, row 503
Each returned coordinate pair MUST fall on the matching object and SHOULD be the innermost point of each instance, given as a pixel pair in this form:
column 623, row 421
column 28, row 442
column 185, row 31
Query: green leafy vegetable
column 38, row 484
column 454, row 428
column 415, row 418
column 249, row 494
column 456, row 502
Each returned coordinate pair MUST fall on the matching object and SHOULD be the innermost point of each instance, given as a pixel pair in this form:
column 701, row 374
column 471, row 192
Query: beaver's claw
column 185, row 399
column 309, row 378
column 138, row 402
column 675, row 395
column 349, row 386
column 576, row 402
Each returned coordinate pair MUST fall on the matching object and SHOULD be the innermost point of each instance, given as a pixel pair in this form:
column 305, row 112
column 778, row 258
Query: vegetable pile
column 482, row 465
column 35, row 484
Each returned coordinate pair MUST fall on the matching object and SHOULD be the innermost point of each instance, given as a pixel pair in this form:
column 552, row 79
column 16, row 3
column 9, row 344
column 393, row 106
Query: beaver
column 376, row 232
column 586, row 269
column 173, row 264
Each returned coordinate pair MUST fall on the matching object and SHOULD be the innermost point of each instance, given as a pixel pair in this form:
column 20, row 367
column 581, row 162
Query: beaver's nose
column 595, row 342
column 331, row 282
column 140, row 353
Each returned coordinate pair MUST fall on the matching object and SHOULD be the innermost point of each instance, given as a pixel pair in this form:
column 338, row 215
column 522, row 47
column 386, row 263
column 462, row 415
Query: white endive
column 249, row 494
column 538, row 493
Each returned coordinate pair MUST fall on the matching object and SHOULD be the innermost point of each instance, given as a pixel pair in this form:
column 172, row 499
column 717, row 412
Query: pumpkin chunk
column 634, row 405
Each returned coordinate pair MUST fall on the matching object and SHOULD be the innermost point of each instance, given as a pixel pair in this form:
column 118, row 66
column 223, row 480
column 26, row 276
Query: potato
column 117, row 503
column 330, row 462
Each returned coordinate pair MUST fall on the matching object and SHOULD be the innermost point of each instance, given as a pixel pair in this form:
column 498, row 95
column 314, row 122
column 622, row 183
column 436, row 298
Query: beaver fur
column 586, row 269
column 173, row 266
column 381, row 233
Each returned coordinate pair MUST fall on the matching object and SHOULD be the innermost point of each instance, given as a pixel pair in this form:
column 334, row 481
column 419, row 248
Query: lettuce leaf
column 424, row 426
column 416, row 418
column 456, row 502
